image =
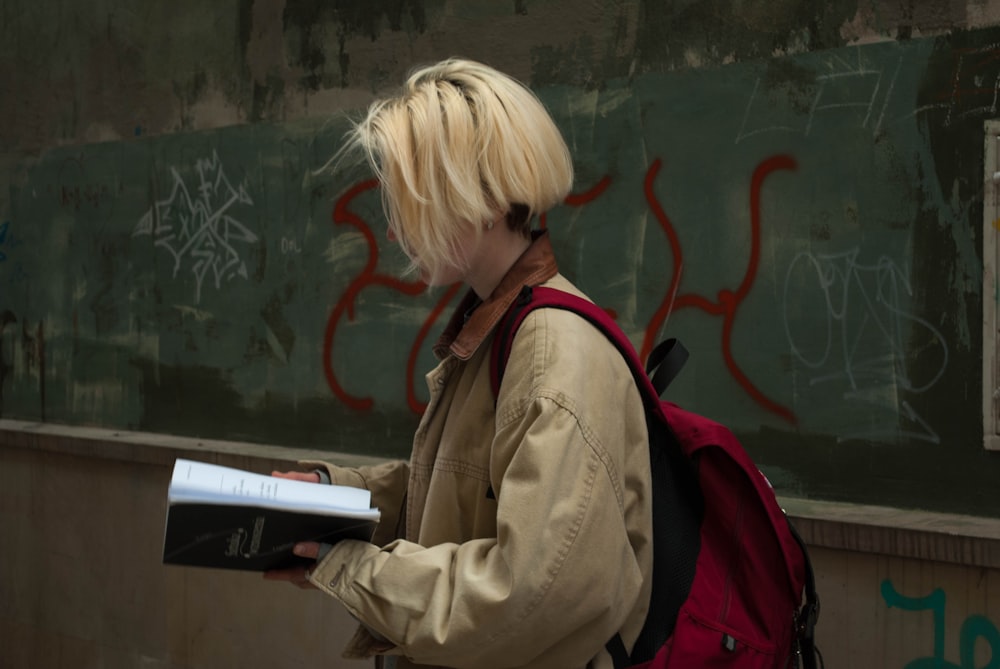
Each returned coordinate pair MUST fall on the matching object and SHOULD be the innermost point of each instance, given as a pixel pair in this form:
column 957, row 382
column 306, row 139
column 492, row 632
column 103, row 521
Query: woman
column 518, row 534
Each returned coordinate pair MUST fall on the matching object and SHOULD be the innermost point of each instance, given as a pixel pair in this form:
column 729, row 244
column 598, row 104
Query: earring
column 489, row 226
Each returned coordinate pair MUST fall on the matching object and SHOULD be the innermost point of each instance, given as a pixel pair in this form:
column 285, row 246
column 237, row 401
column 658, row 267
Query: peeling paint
column 313, row 29
column 126, row 70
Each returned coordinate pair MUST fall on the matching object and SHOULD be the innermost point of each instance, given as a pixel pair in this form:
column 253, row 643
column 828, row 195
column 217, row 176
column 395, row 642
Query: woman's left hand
column 297, row 576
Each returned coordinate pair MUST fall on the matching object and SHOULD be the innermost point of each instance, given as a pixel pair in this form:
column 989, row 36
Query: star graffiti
column 198, row 227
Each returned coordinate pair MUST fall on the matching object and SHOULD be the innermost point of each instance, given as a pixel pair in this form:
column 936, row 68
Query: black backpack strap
column 664, row 362
column 616, row 649
column 805, row 624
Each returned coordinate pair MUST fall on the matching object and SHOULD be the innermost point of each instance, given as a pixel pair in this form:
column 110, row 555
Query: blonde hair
column 461, row 144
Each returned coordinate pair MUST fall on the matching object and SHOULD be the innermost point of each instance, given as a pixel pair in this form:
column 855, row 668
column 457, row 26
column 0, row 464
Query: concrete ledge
column 922, row 535
column 156, row 449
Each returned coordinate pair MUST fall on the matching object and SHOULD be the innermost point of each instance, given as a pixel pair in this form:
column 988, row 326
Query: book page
column 203, row 482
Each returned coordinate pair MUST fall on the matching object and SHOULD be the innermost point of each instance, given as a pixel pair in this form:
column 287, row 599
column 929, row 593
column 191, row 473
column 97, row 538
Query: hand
column 308, row 477
column 297, row 576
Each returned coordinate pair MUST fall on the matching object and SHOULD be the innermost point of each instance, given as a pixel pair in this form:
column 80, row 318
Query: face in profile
column 445, row 271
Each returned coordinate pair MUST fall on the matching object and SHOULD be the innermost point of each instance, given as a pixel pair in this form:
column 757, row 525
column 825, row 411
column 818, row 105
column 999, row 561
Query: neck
column 498, row 250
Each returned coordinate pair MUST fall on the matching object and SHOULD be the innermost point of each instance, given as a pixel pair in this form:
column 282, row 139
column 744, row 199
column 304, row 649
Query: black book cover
column 250, row 538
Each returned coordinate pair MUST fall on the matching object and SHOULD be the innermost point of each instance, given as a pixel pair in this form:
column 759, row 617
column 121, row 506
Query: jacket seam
column 454, row 465
column 558, row 398
column 555, row 568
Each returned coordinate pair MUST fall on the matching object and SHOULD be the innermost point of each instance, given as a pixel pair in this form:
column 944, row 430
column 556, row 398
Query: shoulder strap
column 664, row 362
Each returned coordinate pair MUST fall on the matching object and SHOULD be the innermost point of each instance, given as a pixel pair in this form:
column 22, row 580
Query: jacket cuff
column 330, row 473
column 333, row 575
column 364, row 645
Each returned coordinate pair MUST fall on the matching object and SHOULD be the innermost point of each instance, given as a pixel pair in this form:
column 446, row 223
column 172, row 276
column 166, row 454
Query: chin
column 438, row 282
column 444, row 278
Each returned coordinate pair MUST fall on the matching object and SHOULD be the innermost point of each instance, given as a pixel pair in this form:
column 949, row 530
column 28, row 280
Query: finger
column 296, row 576
column 307, row 549
column 308, row 477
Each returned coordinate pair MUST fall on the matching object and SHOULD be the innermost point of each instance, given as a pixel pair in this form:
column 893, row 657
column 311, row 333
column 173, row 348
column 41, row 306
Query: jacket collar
column 473, row 320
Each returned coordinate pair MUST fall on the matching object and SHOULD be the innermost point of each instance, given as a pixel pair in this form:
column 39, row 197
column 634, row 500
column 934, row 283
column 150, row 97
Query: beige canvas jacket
column 525, row 528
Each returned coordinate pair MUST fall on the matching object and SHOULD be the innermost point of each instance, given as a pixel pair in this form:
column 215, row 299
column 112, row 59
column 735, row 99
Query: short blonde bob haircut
column 461, row 144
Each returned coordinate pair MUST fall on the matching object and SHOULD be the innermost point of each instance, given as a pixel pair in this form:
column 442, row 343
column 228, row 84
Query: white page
column 204, row 482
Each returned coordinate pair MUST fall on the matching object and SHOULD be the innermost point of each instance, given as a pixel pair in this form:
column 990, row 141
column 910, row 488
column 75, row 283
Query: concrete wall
column 82, row 586
column 770, row 138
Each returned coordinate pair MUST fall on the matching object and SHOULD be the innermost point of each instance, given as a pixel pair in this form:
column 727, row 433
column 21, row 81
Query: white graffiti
column 866, row 90
column 868, row 341
column 201, row 229
column 847, row 87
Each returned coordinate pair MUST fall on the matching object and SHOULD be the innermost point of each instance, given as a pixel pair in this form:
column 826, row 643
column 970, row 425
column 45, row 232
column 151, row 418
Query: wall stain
column 274, row 318
column 673, row 35
column 201, row 402
column 6, row 318
column 572, row 64
column 792, row 83
column 308, row 22
column 188, row 93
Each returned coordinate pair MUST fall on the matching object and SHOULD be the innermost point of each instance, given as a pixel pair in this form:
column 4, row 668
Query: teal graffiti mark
column 3, row 238
column 974, row 628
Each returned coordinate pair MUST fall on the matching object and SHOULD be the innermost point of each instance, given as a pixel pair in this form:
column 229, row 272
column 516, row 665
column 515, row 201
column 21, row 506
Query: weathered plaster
column 111, row 69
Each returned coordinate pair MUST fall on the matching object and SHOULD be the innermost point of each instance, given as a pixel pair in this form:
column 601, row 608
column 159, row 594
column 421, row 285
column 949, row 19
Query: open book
column 233, row 519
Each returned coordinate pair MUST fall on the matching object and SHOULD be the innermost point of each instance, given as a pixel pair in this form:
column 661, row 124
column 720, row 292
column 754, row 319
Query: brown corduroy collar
column 472, row 321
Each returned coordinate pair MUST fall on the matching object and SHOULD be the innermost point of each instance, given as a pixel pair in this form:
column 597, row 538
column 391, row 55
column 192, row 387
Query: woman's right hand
column 308, row 477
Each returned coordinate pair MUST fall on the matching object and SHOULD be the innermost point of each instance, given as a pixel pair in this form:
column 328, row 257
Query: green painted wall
column 811, row 222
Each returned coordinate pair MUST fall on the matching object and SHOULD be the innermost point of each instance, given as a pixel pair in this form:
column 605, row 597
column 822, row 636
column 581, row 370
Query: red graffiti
column 728, row 301
column 342, row 215
column 369, row 277
column 578, row 200
column 726, row 305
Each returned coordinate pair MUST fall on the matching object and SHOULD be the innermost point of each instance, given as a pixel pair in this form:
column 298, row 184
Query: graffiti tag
column 975, row 628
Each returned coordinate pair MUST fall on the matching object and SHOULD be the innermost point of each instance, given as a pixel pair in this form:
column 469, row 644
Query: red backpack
column 732, row 581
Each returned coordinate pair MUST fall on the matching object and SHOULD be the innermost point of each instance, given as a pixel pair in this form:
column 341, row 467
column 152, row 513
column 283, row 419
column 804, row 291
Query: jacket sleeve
column 387, row 483
column 552, row 587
